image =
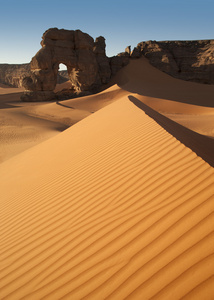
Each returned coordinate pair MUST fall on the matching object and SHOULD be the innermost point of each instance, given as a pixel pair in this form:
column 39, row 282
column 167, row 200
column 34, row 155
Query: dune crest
column 187, row 103
column 114, row 207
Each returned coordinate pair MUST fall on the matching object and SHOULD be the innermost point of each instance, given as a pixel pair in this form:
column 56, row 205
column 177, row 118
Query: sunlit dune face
column 117, row 206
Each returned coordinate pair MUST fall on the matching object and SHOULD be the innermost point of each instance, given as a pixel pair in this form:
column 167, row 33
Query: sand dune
column 142, row 78
column 121, row 209
column 72, row 111
column 64, row 85
column 117, row 206
column 23, row 125
column 188, row 103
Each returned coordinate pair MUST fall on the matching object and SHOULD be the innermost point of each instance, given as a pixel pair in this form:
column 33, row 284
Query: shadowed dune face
column 142, row 78
column 202, row 145
column 117, row 206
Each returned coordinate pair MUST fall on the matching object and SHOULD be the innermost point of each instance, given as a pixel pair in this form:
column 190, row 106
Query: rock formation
column 87, row 64
column 118, row 62
column 104, row 70
column 89, row 68
column 187, row 60
column 128, row 50
column 12, row 74
column 136, row 52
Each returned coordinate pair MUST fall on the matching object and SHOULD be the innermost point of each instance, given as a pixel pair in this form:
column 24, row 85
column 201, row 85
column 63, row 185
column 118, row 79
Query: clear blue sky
column 121, row 22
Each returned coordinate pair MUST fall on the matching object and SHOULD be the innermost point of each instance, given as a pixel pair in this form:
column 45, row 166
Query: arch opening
column 62, row 75
column 64, row 87
column 88, row 67
column 62, row 67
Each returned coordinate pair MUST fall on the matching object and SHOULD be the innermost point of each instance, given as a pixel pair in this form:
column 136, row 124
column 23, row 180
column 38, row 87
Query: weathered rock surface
column 104, row 69
column 187, row 60
column 87, row 64
column 118, row 62
column 136, row 53
column 88, row 67
column 86, row 61
column 12, row 74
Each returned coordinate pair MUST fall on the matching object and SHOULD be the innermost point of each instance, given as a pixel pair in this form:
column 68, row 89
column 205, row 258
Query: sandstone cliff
column 187, row 60
column 89, row 68
column 12, row 74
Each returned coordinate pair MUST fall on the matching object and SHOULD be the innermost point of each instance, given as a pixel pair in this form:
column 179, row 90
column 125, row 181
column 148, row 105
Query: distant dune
column 117, row 206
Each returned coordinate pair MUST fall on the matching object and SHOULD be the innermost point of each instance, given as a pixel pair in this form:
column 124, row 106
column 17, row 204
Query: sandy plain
column 117, row 206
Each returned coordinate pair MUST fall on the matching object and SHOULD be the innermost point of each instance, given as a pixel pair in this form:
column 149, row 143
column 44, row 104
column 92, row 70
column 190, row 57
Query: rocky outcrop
column 104, row 70
column 187, row 60
column 72, row 48
column 136, row 53
column 87, row 64
column 86, row 61
column 89, row 68
column 13, row 74
column 118, row 62
column 128, row 50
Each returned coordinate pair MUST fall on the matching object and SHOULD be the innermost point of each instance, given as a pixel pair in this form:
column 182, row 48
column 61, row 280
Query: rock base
column 37, row 96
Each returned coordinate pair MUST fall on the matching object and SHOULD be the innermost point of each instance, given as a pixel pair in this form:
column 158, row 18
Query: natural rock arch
column 86, row 61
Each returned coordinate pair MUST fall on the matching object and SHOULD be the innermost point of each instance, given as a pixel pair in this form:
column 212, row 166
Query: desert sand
column 117, row 206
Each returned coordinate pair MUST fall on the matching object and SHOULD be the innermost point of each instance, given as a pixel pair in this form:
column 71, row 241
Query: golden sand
column 115, row 207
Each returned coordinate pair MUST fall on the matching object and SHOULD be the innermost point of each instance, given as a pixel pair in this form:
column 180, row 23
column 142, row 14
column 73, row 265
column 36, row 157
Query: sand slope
column 189, row 104
column 114, row 207
column 119, row 205
column 23, row 125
